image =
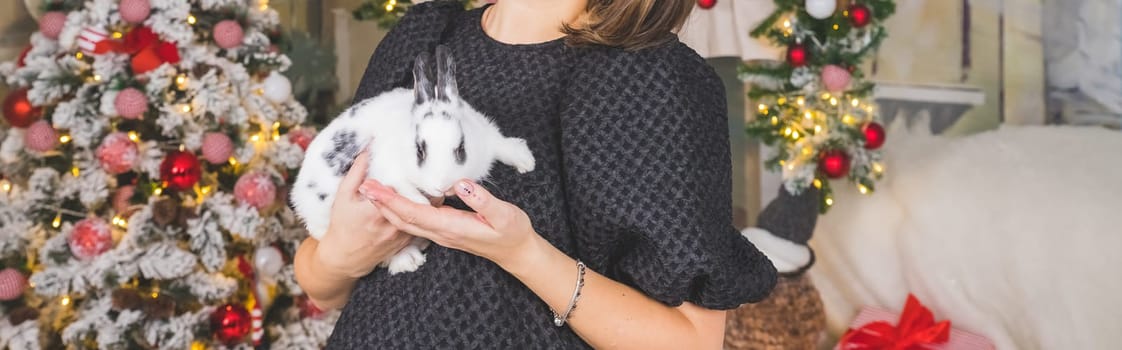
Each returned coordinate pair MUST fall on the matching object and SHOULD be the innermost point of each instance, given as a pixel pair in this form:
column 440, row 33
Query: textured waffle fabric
column 632, row 177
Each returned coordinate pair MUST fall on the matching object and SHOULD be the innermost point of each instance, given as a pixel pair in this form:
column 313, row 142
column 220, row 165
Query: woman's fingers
column 493, row 211
column 356, row 174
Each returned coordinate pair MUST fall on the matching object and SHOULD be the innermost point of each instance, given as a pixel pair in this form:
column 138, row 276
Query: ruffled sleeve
column 647, row 176
column 420, row 30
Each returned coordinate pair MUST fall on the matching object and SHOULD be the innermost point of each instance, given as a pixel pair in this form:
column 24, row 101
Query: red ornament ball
column 217, row 148
column 230, row 324
column 18, row 110
column 131, row 103
column 12, row 284
column 89, row 238
column 180, row 170
column 135, row 11
column 834, row 163
column 302, row 137
column 228, row 34
column 256, row 189
column 51, row 24
column 121, row 199
column 835, row 78
column 117, row 153
column 859, row 15
column 874, row 135
column 40, row 137
column 706, row 4
column 797, row 55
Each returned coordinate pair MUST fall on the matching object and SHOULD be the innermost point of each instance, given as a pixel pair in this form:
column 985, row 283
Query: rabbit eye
column 461, row 154
column 421, row 152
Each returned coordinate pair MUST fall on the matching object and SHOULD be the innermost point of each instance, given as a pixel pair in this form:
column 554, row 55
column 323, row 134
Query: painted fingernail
column 465, row 188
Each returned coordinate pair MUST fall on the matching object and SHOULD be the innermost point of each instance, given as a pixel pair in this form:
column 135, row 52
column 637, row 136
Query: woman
column 631, row 193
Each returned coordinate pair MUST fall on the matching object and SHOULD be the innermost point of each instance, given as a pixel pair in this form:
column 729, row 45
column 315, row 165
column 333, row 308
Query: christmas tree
column 814, row 107
column 145, row 155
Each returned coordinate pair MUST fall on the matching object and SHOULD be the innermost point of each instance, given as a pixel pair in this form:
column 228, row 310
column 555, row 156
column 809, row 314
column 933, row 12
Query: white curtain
column 1083, row 49
column 722, row 31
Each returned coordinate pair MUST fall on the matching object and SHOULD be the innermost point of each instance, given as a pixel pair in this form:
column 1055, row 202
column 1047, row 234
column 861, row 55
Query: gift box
column 914, row 329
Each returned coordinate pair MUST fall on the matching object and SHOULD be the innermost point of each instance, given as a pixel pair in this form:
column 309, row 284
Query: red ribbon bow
column 147, row 50
column 915, row 331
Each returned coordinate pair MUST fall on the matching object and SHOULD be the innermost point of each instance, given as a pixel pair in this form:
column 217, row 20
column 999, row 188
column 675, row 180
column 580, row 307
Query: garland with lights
column 815, row 107
column 144, row 155
column 388, row 12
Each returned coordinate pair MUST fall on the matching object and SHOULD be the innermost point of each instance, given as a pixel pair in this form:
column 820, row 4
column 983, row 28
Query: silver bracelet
column 559, row 320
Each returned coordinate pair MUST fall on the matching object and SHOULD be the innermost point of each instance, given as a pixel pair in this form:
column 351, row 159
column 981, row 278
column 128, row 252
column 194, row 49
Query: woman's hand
column 359, row 237
column 497, row 230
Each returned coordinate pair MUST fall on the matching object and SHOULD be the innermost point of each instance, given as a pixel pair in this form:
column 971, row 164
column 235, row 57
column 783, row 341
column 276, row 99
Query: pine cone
column 126, row 299
column 184, row 215
column 161, row 307
column 165, row 211
column 21, row 314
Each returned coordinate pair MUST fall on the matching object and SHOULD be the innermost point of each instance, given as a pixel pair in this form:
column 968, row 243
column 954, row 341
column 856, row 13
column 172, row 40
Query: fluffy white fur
column 421, row 142
column 785, row 255
column 1013, row 234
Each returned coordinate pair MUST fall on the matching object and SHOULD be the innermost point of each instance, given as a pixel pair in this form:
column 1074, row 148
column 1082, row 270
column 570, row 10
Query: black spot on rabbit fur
column 322, row 196
column 343, row 151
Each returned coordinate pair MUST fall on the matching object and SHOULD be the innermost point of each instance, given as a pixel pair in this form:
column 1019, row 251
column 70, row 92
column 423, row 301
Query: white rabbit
column 421, row 141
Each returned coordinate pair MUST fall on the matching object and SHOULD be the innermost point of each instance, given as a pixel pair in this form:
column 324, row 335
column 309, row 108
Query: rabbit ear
column 445, row 75
column 422, row 85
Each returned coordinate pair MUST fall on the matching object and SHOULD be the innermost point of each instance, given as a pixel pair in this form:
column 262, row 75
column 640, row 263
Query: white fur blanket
column 1015, row 234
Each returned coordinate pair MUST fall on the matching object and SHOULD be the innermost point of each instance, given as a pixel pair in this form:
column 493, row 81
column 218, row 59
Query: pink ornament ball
column 835, row 78
column 40, row 137
column 131, row 103
column 228, row 34
column 256, row 189
column 302, row 137
column 121, row 198
column 90, row 238
column 117, row 153
column 51, row 24
column 135, row 11
column 12, row 284
column 217, row 147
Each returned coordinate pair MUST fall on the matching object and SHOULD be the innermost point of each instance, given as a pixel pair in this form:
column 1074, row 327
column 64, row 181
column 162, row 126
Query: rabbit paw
column 407, row 260
column 518, row 155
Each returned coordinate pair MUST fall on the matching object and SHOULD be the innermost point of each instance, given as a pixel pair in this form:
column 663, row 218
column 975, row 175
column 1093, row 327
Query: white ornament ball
column 268, row 261
column 12, row 284
column 277, row 88
column 821, row 9
column 135, row 11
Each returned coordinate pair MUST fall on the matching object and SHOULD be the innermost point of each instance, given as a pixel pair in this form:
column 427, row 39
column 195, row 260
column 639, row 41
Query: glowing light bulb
column 186, row 108
column 800, row 101
column 5, row 186
column 158, row 191
column 57, row 221
column 181, row 81
column 825, row 96
column 833, row 101
column 808, row 115
column 795, row 135
column 233, row 161
column 191, row 19
column 786, row 23
column 787, row 131
column 75, row 171
column 774, row 120
column 79, row 55
column 255, row 138
column 118, row 35
column 829, row 201
column 97, row 77
column 781, row 101
column 878, row 168
column 855, row 102
column 817, row 183
column 64, row 139
column 65, row 300
column 848, row 119
column 862, row 189
column 134, row 136
column 762, row 107
column 817, row 128
column 836, row 27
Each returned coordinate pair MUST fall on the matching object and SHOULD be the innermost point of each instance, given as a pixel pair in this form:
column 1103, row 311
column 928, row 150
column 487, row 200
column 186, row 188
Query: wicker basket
column 791, row 318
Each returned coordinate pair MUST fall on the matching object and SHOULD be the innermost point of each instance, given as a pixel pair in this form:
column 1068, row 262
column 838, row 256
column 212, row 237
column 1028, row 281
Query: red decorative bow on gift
column 916, row 330
column 147, row 50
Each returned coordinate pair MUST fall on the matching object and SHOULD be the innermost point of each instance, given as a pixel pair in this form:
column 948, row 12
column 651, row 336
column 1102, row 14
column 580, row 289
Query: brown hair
column 628, row 24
